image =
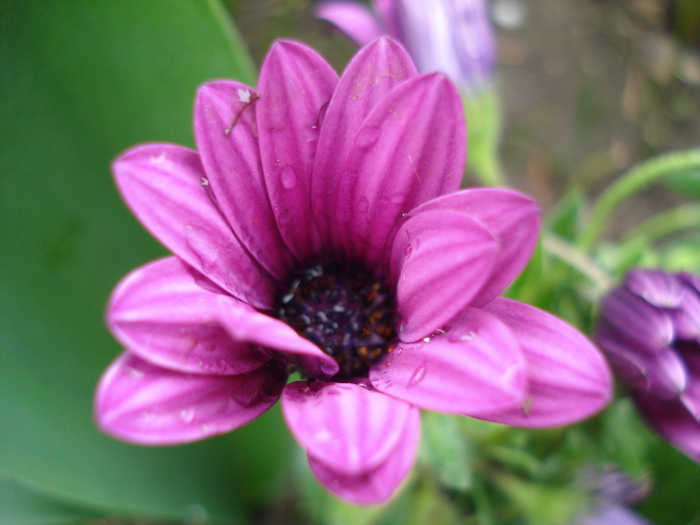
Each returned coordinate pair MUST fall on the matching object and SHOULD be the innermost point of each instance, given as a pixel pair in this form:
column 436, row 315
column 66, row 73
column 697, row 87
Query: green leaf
column 446, row 451
column 483, row 114
column 82, row 81
column 675, row 481
column 21, row 504
column 566, row 218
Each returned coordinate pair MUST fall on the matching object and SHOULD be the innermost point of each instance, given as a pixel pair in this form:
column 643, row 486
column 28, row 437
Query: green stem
column 579, row 260
column 673, row 221
column 631, row 182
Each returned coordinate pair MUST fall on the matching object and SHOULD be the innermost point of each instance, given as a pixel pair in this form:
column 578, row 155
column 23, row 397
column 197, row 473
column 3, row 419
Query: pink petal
column 162, row 184
column 368, row 78
column 510, row 217
column 245, row 324
column 145, row 404
column 352, row 18
column 673, row 421
column 162, row 314
column 475, row 365
column 227, row 138
column 568, row 379
column 442, row 259
column 345, row 426
column 410, row 149
column 295, row 85
column 377, row 485
column 166, row 314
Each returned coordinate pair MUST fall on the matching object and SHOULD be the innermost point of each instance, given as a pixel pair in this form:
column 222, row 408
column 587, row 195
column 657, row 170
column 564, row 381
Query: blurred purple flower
column 607, row 513
column 319, row 229
column 454, row 37
column 613, row 491
column 650, row 331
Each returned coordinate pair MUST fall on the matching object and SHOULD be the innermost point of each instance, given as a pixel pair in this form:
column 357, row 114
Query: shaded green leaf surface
column 80, row 82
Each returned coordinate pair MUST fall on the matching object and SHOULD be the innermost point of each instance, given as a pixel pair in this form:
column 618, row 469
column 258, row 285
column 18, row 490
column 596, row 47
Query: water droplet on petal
column 363, row 206
column 328, row 369
column 187, row 415
column 284, row 216
column 245, row 397
column 288, row 178
column 407, row 251
column 417, row 376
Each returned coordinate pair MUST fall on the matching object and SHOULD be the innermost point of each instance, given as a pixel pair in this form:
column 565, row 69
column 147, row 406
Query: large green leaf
column 80, row 81
column 23, row 505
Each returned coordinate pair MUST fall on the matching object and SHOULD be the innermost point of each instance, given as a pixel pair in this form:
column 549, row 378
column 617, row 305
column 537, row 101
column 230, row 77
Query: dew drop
column 417, row 376
column 363, row 206
column 288, row 178
column 407, row 251
column 328, row 369
column 285, row 216
column 187, row 415
column 245, row 397
column 368, row 137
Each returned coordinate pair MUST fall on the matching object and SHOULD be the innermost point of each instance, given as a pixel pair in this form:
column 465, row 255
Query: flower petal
column 246, row 324
column 389, row 16
column 568, row 377
column 475, row 365
column 661, row 373
column 442, row 260
column 673, row 421
column 368, row 78
column 225, row 126
column 686, row 319
column 162, row 184
column 637, row 322
column 656, row 287
column 353, row 19
column 145, row 404
column 162, row 314
column 409, row 149
column 454, row 37
column 691, row 395
column 345, row 426
column 510, row 217
column 377, row 485
column 295, row 85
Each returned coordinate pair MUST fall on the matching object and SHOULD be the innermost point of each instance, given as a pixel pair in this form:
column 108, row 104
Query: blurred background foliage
column 589, row 89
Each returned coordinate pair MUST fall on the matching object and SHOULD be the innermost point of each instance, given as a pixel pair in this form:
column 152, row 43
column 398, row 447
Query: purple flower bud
column 650, row 332
column 454, row 37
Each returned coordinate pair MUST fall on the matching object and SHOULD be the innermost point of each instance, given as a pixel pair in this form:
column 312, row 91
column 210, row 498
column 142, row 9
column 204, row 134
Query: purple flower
column 650, row 331
column 318, row 229
column 610, row 514
column 451, row 36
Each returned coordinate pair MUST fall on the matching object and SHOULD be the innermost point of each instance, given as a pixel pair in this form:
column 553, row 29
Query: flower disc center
column 346, row 312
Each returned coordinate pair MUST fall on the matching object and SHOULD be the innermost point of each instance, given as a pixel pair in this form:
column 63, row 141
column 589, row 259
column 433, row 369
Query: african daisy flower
column 318, row 229
column 451, row 36
column 650, row 331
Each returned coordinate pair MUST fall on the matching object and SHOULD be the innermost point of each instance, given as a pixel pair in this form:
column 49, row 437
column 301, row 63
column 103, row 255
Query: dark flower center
column 346, row 312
